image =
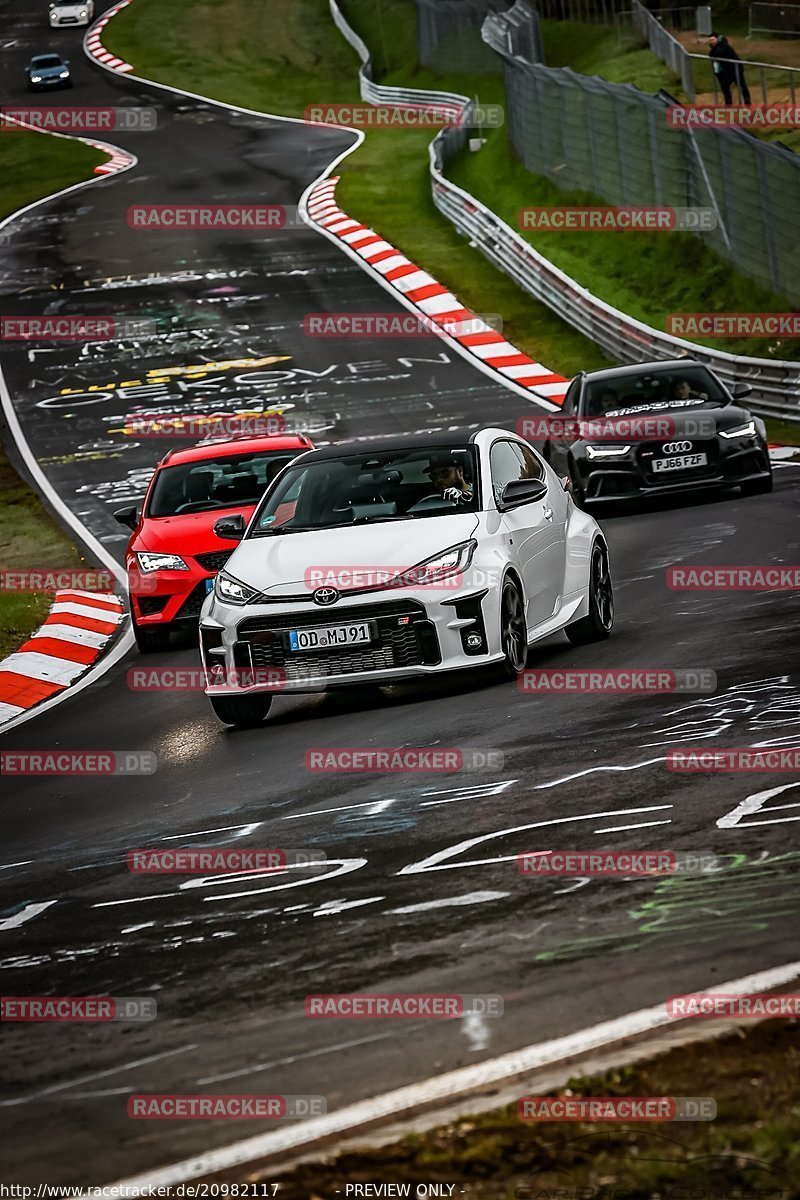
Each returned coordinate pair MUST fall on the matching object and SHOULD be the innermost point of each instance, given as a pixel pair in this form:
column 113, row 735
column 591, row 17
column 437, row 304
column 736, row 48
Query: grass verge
column 751, row 1150
column 29, row 537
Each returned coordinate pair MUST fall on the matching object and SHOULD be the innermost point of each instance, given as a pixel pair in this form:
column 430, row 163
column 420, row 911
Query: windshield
column 226, row 482
column 46, row 60
column 371, row 487
column 687, row 386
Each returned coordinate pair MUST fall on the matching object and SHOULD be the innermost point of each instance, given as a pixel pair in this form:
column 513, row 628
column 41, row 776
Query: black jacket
column 724, row 71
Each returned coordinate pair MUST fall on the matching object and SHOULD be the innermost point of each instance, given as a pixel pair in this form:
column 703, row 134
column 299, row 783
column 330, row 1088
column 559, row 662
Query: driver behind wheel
column 446, row 474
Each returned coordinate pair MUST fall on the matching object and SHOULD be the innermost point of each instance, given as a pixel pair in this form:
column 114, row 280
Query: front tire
column 244, row 712
column 513, row 631
column 151, row 639
column 596, row 626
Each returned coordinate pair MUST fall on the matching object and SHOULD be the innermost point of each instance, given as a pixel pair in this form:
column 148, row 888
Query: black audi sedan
column 654, row 429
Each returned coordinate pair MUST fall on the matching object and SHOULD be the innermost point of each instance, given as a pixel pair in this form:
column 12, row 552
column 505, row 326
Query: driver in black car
column 682, row 390
column 447, row 476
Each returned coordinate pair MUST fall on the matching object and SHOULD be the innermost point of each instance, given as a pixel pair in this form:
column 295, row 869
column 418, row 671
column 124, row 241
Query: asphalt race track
column 420, row 891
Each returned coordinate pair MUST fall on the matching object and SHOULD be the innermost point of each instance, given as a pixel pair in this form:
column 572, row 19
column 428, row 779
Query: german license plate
column 680, row 462
column 209, row 584
column 328, row 636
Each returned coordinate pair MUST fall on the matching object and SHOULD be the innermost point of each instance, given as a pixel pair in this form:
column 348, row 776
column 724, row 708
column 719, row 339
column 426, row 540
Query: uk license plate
column 328, row 636
column 680, row 462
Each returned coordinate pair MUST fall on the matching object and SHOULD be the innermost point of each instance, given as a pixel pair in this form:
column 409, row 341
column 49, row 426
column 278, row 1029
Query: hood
column 190, row 534
column 285, row 564
column 68, row 10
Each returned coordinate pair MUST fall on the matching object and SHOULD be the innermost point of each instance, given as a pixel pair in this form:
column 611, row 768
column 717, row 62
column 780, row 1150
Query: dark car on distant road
column 47, row 71
column 656, row 428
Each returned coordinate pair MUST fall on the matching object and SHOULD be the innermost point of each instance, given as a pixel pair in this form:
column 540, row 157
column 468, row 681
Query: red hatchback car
column 174, row 553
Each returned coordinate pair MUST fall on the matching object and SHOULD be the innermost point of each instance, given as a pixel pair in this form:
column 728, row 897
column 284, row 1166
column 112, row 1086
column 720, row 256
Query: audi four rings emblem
column 675, row 447
column 325, row 596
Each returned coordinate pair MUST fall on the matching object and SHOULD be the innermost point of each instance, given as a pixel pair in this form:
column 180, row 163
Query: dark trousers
column 744, row 91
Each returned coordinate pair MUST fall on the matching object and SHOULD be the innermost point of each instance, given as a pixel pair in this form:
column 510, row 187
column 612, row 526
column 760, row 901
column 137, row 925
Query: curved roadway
column 402, row 906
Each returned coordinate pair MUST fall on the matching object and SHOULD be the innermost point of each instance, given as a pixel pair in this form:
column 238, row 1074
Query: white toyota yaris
column 393, row 559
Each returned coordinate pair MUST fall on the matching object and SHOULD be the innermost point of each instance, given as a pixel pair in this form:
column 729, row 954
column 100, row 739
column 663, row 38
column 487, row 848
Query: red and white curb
column 94, row 46
column 75, row 634
column 420, row 289
column 119, row 160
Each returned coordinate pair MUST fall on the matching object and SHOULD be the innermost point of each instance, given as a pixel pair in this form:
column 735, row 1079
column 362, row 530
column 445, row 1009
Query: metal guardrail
column 775, row 383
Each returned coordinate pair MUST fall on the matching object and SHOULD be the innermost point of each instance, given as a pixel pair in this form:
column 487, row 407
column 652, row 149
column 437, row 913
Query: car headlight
column 232, row 591
column 64, row 75
column 748, row 430
column 593, row 452
column 160, row 562
column 36, row 79
column 453, row 561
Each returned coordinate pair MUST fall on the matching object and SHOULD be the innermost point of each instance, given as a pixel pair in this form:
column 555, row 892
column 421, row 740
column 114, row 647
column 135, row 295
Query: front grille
column 650, row 450
column 263, row 641
column 213, row 561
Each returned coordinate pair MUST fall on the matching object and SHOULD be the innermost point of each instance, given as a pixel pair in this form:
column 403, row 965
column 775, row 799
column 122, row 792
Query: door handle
column 548, row 513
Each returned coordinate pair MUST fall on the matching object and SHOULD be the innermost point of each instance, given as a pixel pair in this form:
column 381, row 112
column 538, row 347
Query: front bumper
column 44, row 85
column 728, row 464
column 246, row 649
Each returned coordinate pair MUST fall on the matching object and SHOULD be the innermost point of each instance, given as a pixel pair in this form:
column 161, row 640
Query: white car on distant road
column 62, row 13
column 400, row 558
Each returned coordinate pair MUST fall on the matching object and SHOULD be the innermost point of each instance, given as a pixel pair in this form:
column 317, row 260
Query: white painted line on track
column 437, row 1091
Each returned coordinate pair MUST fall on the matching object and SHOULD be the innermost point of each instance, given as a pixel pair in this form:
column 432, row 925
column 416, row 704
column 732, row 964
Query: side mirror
column 230, row 528
column 740, row 390
column 127, row 516
column 523, row 491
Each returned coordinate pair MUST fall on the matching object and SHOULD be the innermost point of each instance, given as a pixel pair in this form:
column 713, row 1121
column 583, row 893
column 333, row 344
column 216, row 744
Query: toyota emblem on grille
column 325, row 595
column 676, row 447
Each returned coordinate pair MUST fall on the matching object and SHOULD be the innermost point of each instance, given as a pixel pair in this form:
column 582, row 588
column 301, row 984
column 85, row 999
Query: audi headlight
column 593, row 452
column 453, row 561
column 748, row 430
column 160, row 562
column 232, row 591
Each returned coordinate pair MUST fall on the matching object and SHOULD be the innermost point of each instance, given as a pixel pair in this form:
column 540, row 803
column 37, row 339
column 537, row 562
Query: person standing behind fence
column 727, row 72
